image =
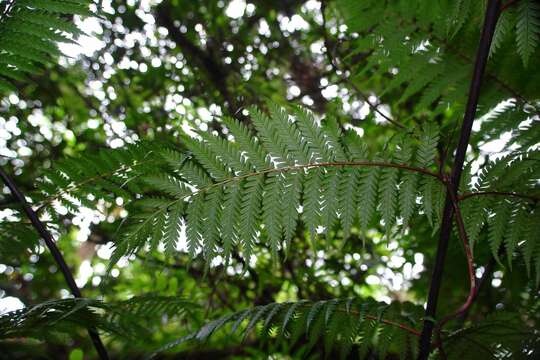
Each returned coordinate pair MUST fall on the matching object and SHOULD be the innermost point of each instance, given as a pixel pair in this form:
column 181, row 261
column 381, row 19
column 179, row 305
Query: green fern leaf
column 368, row 194
column 168, row 184
column 312, row 200
column 427, row 149
column 271, row 139
column 504, row 25
column 497, row 225
column 330, row 195
column 172, row 227
column 333, row 135
column 388, row 196
column 57, row 6
column 229, row 218
column 527, row 28
column 195, row 224
column 287, row 131
column 253, row 151
column 515, row 232
column 311, row 132
column 271, row 209
column 348, row 198
column 292, row 188
column 249, row 213
column 208, row 158
column 212, row 219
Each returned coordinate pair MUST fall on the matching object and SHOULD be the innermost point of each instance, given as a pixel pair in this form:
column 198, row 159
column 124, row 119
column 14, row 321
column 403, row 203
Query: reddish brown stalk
column 399, row 325
column 508, row 4
column 470, row 269
column 387, row 322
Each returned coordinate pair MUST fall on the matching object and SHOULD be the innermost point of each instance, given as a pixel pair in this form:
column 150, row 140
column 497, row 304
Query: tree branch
column 57, row 255
column 490, row 20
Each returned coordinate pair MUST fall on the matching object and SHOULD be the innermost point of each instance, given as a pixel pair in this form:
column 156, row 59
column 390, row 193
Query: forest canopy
column 248, row 179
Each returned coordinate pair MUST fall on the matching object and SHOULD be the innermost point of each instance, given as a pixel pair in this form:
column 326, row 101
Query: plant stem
column 57, row 255
column 499, row 193
column 490, row 20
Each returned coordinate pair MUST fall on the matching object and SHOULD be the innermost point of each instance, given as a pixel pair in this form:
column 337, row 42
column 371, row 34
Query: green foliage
column 501, row 335
column 527, row 28
column 207, row 213
column 29, row 31
column 266, row 200
column 335, row 324
column 105, row 175
column 510, row 220
column 128, row 319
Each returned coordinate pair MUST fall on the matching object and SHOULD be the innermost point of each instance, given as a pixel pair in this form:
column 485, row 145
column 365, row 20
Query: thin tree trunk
column 490, row 20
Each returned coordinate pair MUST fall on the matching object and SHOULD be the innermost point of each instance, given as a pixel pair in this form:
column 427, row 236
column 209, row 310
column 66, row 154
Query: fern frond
column 292, row 187
column 337, row 321
column 348, row 199
column 500, row 333
column 330, row 193
column 254, row 153
column 312, row 200
column 172, row 227
column 123, row 319
column 230, row 218
column 29, row 31
column 504, row 25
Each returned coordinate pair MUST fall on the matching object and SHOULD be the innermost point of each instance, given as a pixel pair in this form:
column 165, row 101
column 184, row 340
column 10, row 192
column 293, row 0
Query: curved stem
column 57, row 255
column 470, row 269
column 384, row 321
